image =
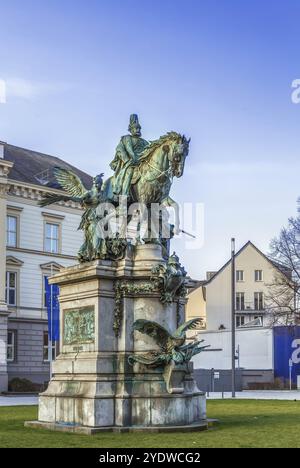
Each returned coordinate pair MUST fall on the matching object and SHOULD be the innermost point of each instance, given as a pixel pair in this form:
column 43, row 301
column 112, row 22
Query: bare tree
column 283, row 293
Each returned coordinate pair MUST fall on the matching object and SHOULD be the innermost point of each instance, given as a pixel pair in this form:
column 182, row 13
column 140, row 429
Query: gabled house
column 254, row 275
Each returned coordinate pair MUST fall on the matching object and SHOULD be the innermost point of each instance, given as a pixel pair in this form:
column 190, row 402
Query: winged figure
column 76, row 191
column 172, row 347
column 94, row 246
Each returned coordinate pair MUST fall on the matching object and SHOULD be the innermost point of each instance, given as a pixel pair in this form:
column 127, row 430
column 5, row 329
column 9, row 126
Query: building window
column 240, row 301
column 239, row 320
column 51, row 237
column 11, row 346
column 11, row 231
column 46, row 345
column 260, row 318
column 45, row 279
column 239, row 275
column 258, row 275
column 11, row 288
column 258, row 300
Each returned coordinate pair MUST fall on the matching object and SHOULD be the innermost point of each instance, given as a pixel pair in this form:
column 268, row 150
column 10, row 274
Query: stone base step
column 200, row 426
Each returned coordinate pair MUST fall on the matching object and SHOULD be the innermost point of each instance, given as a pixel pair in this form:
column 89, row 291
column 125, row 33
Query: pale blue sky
column 218, row 70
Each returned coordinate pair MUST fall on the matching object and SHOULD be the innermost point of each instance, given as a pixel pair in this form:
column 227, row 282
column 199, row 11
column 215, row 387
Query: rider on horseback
column 127, row 156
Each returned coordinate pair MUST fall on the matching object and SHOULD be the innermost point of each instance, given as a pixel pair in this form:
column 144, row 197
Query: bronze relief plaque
column 79, row 326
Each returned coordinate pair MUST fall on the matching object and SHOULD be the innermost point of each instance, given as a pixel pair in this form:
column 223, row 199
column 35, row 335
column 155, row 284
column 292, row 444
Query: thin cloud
column 29, row 90
column 268, row 167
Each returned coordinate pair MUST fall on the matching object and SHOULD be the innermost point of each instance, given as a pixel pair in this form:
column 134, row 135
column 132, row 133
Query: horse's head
column 172, row 145
column 178, row 152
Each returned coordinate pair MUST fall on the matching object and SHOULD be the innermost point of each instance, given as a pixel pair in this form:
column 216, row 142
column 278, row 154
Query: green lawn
column 243, row 423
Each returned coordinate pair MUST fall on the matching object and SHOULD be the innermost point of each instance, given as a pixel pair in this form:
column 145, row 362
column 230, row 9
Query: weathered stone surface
column 200, row 426
column 93, row 384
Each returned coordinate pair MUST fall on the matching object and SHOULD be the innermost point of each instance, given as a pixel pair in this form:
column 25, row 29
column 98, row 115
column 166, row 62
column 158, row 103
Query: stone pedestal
column 93, row 386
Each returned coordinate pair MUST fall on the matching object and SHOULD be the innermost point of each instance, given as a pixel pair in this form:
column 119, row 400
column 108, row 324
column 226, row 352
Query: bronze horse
column 161, row 160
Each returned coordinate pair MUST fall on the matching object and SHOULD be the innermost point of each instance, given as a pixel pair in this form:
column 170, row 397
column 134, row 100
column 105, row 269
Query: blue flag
column 286, row 352
column 52, row 304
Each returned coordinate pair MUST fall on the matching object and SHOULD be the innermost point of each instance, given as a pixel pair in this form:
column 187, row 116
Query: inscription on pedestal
column 79, row 326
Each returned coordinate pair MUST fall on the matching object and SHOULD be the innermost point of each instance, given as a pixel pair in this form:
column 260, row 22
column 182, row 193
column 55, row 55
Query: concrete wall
column 3, row 364
column 257, row 376
column 255, row 345
column 29, row 362
column 256, row 359
column 217, row 380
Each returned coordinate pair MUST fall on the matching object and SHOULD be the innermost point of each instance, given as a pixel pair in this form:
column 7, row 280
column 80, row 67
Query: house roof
column 37, row 168
column 195, row 284
column 281, row 268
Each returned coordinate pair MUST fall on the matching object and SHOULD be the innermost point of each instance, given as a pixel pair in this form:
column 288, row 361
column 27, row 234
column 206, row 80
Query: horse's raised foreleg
column 170, row 203
column 152, row 232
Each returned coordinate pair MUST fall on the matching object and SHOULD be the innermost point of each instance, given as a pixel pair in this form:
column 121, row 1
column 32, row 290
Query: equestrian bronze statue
column 143, row 174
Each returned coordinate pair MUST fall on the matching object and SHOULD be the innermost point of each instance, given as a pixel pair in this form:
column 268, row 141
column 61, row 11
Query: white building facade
column 254, row 275
column 34, row 243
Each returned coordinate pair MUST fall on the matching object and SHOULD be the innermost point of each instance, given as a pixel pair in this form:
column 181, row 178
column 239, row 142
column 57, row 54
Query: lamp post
column 290, row 372
column 233, row 317
column 50, row 332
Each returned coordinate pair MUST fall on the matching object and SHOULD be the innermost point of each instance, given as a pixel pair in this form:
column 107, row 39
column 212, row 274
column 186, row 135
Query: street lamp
column 233, row 317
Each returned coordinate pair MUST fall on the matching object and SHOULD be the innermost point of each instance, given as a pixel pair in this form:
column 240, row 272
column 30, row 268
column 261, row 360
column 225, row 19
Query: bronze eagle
column 172, row 347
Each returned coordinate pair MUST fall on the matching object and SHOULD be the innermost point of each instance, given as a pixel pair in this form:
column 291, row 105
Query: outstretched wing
column 50, row 198
column 193, row 323
column 69, row 181
column 193, row 344
column 153, row 329
column 191, row 349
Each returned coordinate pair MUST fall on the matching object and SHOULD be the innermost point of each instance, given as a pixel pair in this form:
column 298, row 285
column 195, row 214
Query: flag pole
column 50, row 332
column 233, row 317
